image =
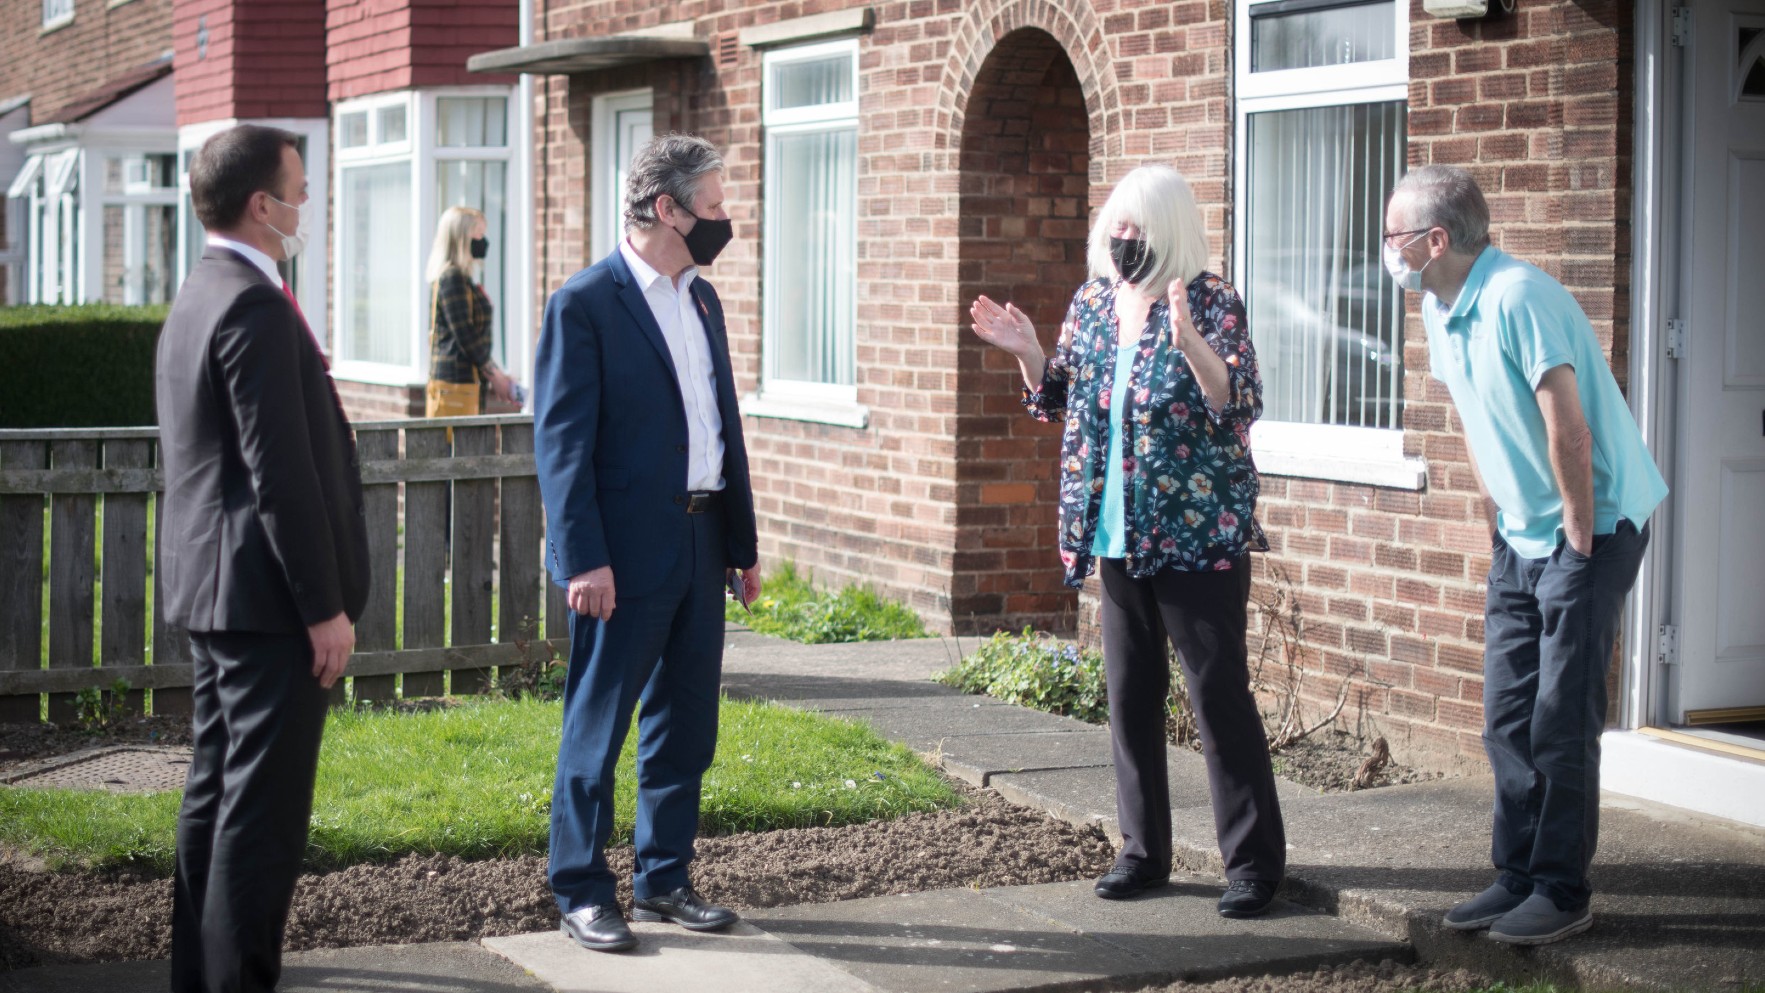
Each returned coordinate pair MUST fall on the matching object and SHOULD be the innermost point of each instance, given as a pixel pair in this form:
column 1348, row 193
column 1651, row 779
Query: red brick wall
column 262, row 60
column 1026, row 189
column 1388, row 582
column 381, row 45
column 100, row 44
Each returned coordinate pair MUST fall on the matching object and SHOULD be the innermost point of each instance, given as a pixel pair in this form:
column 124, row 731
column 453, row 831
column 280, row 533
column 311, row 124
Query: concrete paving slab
column 1088, row 794
column 977, row 758
column 448, row 967
column 670, row 959
column 1179, row 931
column 847, row 692
column 928, row 723
column 955, row 941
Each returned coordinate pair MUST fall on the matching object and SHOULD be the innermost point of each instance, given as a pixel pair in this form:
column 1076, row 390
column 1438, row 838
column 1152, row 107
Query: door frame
column 1658, row 246
column 604, row 232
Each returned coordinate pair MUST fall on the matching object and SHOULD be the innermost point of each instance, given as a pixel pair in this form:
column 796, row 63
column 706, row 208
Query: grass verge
column 791, row 607
column 474, row 780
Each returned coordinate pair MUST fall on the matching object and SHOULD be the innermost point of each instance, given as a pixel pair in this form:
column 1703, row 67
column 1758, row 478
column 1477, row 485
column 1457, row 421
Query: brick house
column 889, row 161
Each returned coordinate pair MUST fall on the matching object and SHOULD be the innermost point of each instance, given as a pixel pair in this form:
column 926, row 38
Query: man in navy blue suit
column 645, row 479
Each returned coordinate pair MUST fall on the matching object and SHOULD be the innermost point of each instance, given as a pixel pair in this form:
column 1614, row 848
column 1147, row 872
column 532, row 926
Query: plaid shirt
column 459, row 338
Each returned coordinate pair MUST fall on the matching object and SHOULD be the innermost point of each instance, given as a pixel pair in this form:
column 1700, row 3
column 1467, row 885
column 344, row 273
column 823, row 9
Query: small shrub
column 1035, row 670
column 540, row 674
column 791, row 607
column 96, row 708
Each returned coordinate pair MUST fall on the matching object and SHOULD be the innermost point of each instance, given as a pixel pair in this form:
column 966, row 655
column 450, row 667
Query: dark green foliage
column 1035, row 670
column 88, row 366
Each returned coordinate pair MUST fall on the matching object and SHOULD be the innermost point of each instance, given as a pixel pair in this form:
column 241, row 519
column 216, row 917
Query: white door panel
column 1720, row 485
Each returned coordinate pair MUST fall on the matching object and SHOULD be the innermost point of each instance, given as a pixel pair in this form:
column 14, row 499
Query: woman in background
column 459, row 314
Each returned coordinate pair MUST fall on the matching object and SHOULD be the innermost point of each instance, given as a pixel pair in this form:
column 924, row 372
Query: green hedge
column 78, row 367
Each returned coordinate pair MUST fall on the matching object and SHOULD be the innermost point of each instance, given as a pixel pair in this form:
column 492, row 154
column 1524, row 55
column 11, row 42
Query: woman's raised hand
column 1005, row 327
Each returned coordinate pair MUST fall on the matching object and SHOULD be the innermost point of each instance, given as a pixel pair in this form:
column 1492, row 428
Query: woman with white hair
column 459, row 314
column 1156, row 381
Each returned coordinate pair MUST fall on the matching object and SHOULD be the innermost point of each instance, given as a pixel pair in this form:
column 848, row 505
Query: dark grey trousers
column 1202, row 614
column 1548, row 634
column 242, row 830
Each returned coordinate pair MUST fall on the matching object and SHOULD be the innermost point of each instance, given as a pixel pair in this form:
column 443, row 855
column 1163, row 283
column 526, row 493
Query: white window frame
column 607, row 213
column 310, row 266
column 825, row 403
column 56, row 14
column 134, row 204
column 1334, row 452
column 419, row 151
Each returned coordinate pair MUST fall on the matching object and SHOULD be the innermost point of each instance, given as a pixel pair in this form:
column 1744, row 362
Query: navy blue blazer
column 610, row 435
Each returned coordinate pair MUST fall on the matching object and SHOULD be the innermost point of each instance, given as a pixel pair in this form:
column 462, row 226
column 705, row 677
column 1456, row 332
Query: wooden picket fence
column 460, row 518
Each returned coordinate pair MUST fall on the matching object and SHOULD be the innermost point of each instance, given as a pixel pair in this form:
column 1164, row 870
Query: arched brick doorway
column 1025, row 181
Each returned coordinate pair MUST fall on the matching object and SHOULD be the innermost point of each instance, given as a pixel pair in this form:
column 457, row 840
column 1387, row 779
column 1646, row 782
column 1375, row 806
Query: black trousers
column 1548, row 635
column 259, row 716
column 1202, row 614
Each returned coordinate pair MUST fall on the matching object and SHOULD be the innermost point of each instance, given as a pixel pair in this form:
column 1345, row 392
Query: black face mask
column 707, row 237
column 480, row 247
column 1132, row 258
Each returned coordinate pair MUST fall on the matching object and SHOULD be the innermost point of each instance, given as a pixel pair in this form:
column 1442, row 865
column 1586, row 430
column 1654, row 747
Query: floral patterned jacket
column 1191, row 485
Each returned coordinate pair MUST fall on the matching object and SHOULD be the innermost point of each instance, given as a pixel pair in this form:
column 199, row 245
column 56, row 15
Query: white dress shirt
column 677, row 313
column 268, row 265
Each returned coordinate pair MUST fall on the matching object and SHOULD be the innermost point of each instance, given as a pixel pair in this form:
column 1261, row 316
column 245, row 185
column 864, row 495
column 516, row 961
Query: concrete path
column 450, row 967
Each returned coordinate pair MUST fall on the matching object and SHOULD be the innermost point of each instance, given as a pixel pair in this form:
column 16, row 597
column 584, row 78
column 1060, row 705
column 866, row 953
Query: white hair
column 1157, row 200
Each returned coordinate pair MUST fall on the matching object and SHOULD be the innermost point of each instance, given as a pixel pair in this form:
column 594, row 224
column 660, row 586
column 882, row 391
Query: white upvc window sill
column 1369, row 456
column 837, row 406
column 378, row 374
column 57, row 24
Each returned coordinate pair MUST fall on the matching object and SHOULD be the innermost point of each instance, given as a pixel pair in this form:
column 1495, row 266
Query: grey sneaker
column 1483, row 909
column 1538, row 922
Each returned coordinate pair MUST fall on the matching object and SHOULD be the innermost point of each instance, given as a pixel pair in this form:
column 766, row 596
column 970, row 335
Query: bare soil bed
column 78, row 917
column 1355, row 977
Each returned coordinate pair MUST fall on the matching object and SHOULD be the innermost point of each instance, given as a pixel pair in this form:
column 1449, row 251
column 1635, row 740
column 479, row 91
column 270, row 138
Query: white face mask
column 1409, row 279
column 292, row 244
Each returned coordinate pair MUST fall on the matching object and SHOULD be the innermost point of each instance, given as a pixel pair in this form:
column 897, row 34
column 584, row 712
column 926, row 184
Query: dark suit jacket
column 263, row 527
column 610, row 434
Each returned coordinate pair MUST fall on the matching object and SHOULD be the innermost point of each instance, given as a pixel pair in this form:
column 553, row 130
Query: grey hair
column 668, row 164
column 1443, row 196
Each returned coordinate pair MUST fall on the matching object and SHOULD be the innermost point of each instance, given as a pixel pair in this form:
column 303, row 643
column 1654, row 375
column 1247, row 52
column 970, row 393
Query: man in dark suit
column 264, row 552
column 645, row 479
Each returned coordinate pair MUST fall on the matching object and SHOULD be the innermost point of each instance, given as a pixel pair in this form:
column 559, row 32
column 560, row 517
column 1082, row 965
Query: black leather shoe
column 684, row 908
column 1124, row 881
column 1248, row 898
column 598, row 928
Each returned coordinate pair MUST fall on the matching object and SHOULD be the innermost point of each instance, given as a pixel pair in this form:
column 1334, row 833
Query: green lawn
column 475, row 780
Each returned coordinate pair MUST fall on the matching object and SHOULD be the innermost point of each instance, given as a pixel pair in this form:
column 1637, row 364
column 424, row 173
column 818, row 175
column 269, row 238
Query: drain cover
column 119, row 770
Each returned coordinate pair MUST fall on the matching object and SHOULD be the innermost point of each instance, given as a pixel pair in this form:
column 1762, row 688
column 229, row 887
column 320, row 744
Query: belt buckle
column 698, row 503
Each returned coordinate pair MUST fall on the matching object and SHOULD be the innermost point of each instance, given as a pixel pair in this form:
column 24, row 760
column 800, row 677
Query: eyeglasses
column 1387, row 236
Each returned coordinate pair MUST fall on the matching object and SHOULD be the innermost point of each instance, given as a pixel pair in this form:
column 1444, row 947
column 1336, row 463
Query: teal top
column 1510, row 325
column 1112, row 529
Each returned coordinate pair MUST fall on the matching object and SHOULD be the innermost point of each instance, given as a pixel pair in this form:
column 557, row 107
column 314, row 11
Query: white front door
column 1719, row 490
column 622, row 123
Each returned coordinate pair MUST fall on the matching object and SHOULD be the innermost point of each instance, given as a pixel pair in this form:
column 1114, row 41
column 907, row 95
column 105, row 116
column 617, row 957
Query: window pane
column 392, row 126
column 377, row 276
column 140, row 251
column 1302, row 39
column 813, row 82
column 195, row 238
column 352, row 129
column 55, row 10
column 1328, row 321
column 471, row 122
column 483, row 185
column 811, row 248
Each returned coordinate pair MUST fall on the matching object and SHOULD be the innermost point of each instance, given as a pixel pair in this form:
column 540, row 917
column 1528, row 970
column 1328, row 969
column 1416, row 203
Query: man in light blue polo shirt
column 1568, row 487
